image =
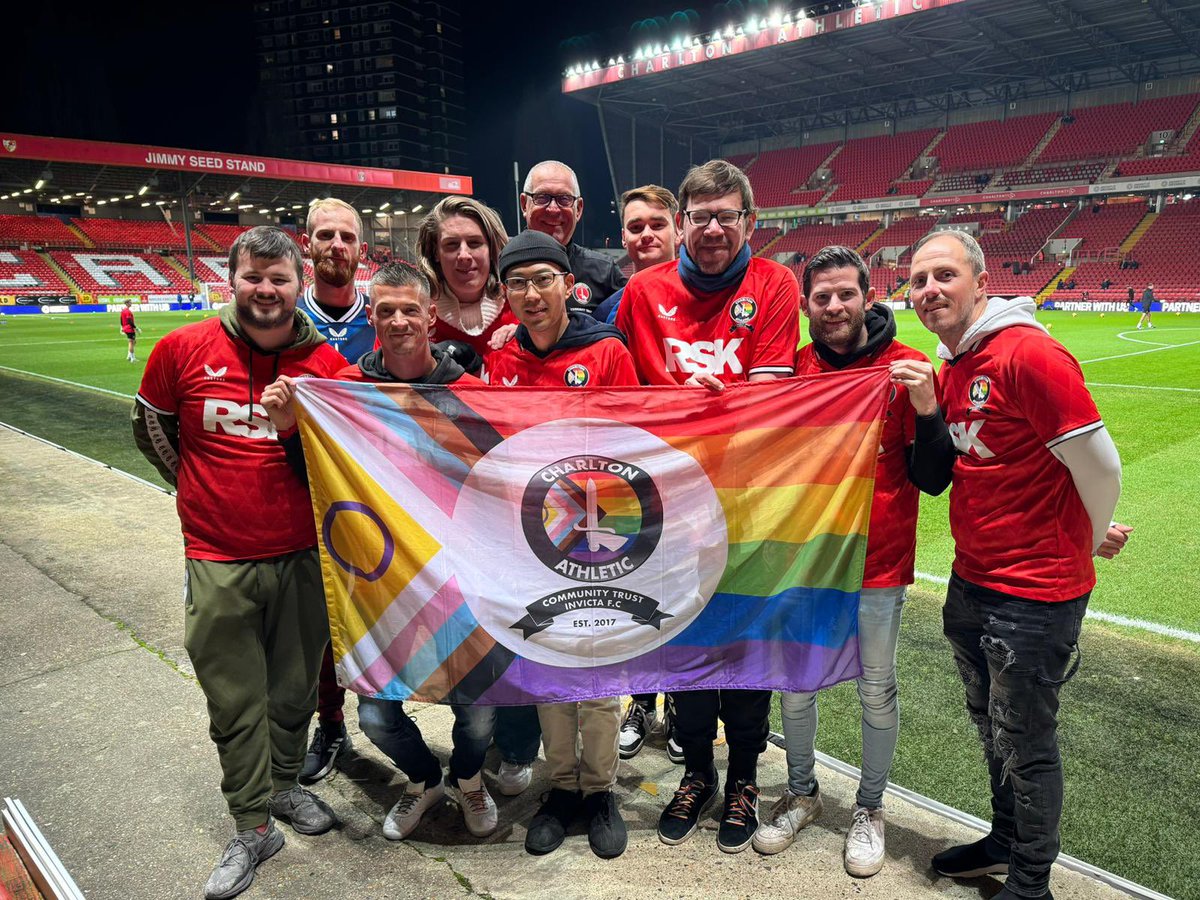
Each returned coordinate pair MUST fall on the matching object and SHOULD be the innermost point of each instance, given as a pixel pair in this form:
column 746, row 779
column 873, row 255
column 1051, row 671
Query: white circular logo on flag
column 610, row 551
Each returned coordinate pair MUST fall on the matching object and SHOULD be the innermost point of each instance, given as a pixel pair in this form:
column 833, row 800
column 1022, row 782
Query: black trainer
column 739, row 820
column 984, row 857
column 681, row 818
column 606, row 829
column 328, row 741
column 549, row 825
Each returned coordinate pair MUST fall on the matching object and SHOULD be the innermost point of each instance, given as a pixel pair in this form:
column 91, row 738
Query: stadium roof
column 963, row 53
column 63, row 172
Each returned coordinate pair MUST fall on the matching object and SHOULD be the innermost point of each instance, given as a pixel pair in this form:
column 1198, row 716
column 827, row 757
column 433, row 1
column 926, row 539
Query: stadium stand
column 1017, row 247
column 132, row 234
column 19, row 269
column 1083, row 172
column 1120, row 129
column 808, row 239
column 222, row 235
column 99, row 272
column 1187, row 161
column 901, row 233
column 36, row 231
column 981, row 146
column 865, row 168
column 761, row 237
column 781, row 177
column 1102, row 228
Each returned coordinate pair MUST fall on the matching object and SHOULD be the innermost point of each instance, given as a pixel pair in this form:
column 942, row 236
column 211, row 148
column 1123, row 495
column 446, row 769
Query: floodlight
column 39, row 184
column 101, row 202
column 366, row 212
column 776, row 19
column 234, row 196
column 418, row 208
column 728, row 31
column 638, row 54
column 280, row 208
column 677, row 44
column 611, row 62
column 129, row 196
column 145, row 203
column 384, row 205
column 264, row 212
column 142, row 190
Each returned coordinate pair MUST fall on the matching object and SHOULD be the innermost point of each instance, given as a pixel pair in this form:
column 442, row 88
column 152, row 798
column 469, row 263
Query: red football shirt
column 1019, row 526
column 892, row 536
column 237, row 496
column 745, row 330
column 127, row 325
column 606, row 363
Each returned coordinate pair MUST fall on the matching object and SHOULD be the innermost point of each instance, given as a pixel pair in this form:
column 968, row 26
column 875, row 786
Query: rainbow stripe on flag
column 509, row 546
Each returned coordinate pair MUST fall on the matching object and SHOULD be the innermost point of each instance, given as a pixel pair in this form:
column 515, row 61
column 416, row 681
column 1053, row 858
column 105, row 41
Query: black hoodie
column 582, row 331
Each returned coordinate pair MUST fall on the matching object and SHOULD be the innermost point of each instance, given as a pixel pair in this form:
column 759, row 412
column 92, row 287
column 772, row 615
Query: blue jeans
column 1014, row 656
column 518, row 733
column 879, row 612
column 390, row 729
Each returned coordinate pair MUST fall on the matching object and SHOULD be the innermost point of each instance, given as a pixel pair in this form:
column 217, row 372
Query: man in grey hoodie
column 1035, row 484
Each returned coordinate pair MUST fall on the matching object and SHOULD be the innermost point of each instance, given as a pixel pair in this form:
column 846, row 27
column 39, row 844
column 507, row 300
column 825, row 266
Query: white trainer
column 512, row 778
column 787, row 816
column 478, row 807
column 864, row 842
column 404, row 817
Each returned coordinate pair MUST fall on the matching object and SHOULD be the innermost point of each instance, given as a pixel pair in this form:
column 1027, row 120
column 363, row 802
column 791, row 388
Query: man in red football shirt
column 402, row 313
column 1034, row 487
column 850, row 330
column 716, row 316
column 129, row 329
column 255, row 621
column 554, row 347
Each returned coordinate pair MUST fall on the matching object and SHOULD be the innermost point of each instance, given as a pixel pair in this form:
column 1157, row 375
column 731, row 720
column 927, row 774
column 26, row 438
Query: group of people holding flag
column 1007, row 421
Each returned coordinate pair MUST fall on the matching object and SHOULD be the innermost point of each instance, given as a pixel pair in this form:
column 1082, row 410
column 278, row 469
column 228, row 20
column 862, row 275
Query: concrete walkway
column 105, row 740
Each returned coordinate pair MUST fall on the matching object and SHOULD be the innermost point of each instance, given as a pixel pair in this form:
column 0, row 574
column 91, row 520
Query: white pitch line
column 1143, row 387
column 86, row 387
column 1111, row 618
column 112, row 340
column 1124, row 336
column 1084, row 362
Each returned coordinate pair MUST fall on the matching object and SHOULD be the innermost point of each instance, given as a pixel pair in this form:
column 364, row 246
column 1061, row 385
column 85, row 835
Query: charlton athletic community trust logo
column 610, row 557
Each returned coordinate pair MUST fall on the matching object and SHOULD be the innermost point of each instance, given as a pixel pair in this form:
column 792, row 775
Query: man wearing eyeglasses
column 552, row 205
column 715, row 317
column 554, row 347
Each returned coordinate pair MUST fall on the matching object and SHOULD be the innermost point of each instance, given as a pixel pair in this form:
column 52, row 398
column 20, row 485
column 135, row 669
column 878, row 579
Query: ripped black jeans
column 1014, row 655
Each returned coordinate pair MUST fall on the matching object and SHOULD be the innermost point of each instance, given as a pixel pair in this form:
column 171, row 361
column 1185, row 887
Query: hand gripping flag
column 508, row 546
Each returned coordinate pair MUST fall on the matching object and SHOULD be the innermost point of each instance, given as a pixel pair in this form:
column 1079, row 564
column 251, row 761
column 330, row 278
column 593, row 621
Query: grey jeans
column 878, row 633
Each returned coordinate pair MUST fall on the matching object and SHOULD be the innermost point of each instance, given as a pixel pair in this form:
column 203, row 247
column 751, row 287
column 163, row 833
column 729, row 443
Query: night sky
column 184, row 75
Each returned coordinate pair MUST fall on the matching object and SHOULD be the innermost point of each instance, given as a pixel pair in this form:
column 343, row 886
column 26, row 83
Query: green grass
column 1130, row 718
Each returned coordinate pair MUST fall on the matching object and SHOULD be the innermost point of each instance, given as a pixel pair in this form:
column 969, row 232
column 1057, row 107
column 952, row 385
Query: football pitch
column 1130, row 723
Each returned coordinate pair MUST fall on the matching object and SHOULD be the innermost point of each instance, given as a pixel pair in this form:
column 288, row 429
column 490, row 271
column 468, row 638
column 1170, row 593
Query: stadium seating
column 222, row 235
column 1086, row 172
column 19, row 267
column 36, row 231
column 981, row 146
column 100, row 272
column 1189, row 161
column 1165, row 256
column 780, row 177
column 865, row 168
column 901, row 233
column 1019, row 244
column 761, row 237
column 1102, row 228
column 133, row 234
column 1109, row 132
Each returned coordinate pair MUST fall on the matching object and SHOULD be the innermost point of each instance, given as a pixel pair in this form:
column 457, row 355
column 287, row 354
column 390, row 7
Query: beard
column 336, row 272
column 250, row 315
column 840, row 336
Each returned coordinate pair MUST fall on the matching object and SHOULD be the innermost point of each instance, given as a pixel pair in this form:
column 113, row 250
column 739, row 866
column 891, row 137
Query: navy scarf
column 695, row 280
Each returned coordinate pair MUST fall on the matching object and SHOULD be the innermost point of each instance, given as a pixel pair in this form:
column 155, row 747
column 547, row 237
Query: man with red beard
column 339, row 310
column 851, row 331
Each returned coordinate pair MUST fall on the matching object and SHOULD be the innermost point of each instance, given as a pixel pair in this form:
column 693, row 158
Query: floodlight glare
column 39, row 184
column 142, row 190
column 728, row 31
column 418, row 208
column 234, row 196
column 384, row 205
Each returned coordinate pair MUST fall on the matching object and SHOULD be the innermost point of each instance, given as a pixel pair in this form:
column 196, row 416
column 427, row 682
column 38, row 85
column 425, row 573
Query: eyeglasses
column 541, row 281
column 543, row 200
column 726, row 218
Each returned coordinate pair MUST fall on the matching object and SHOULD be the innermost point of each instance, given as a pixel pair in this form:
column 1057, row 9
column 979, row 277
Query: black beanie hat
column 533, row 246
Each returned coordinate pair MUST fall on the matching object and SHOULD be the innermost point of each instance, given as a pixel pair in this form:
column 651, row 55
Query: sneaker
column 606, row 829
column 863, row 856
column 403, row 818
column 303, row 810
column 674, row 748
column 478, row 807
column 549, row 825
column 242, row 855
column 788, row 815
column 512, row 778
column 638, row 722
column 984, row 857
column 1007, row 894
column 681, row 818
column 328, row 741
column 739, row 821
